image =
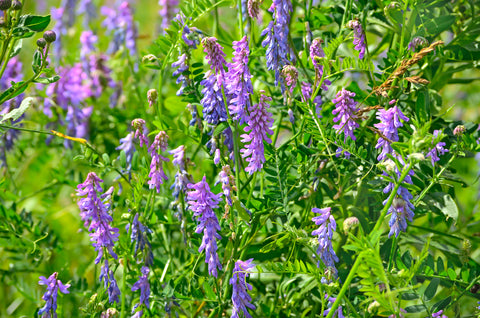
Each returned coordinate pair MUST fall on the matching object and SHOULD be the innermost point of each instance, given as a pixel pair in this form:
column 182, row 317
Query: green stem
column 345, row 285
column 124, row 288
column 9, row 51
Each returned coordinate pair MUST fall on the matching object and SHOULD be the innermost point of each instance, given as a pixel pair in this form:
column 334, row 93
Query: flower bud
column 398, row 203
column 16, row 5
column 459, row 130
column 152, row 95
column 150, row 58
column 110, row 313
column 5, row 4
column 49, row 36
column 291, row 116
column 417, row 156
column 388, row 164
column 41, row 43
column 350, row 223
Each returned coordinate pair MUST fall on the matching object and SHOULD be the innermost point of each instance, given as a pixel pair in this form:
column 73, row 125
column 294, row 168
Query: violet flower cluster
column 140, row 131
column 438, row 148
column 228, row 185
column 290, row 74
column 402, row 209
column 168, row 10
column 238, row 81
column 12, row 73
column 276, row 37
column 345, row 109
column 215, row 56
column 64, row 16
column 182, row 177
column 240, row 298
column 325, row 248
column 388, row 126
column 307, row 94
column 358, row 37
column 138, row 235
column 316, row 51
column 259, row 126
column 51, row 294
column 439, row 314
column 201, row 202
column 143, row 285
column 214, row 110
column 157, row 175
column 120, row 24
column 94, row 212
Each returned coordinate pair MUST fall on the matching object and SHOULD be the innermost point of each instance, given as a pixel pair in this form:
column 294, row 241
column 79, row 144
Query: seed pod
column 16, row 5
column 5, row 4
column 49, row 36
column 41, row 43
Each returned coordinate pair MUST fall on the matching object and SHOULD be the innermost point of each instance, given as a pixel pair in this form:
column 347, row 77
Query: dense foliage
column 239, row 158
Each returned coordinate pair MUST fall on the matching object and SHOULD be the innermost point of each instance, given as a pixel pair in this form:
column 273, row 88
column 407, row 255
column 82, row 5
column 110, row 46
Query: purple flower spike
column 325, row 248
column 240, row 297
column 215, row 56
column 438, row 148
column 259, row 126
column 181, row 66
column 139, row 236
column 168, row 10
column 140, row 131
column 143, row 285
column 201, row 202
column 53, row 286
column 214, row 110
column 94, row 211
column 276, row 37
column 239, row 83
column 120, row 24
column 317, row 51
column 358, row 37
column 157, row 175
column 388, row 126
column 127, row 145
column 346, row 108
column 110, row 283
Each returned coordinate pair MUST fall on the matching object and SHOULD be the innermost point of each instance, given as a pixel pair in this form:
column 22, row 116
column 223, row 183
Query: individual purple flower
column 388, row 126
column 181, row 65
column 127, row 145
column 238, row 81
column 120, row 24
column 196, row 120
column 438, row 148
column 214, row 110
column 240, row 297
column 259, row 126
column 109, row 282
column 402, row 209
column 307, row 94
column 439, row 314
column 12, row 73
column 182, row 177
column 228, row 183
column 201, row 202
column 215, row 57
column 358, row 37
column 417, row 41
column 143, row 285
column 139, row 236
column 53, row 286
column 345, row 109
column 168, row 9
column 325, row 248
column 94, row 211
column 140, row 131
column 317, row 51
column 88, row 40
column 290, row 74
column 157, row 175
column 338, row 313
column 276, row 39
